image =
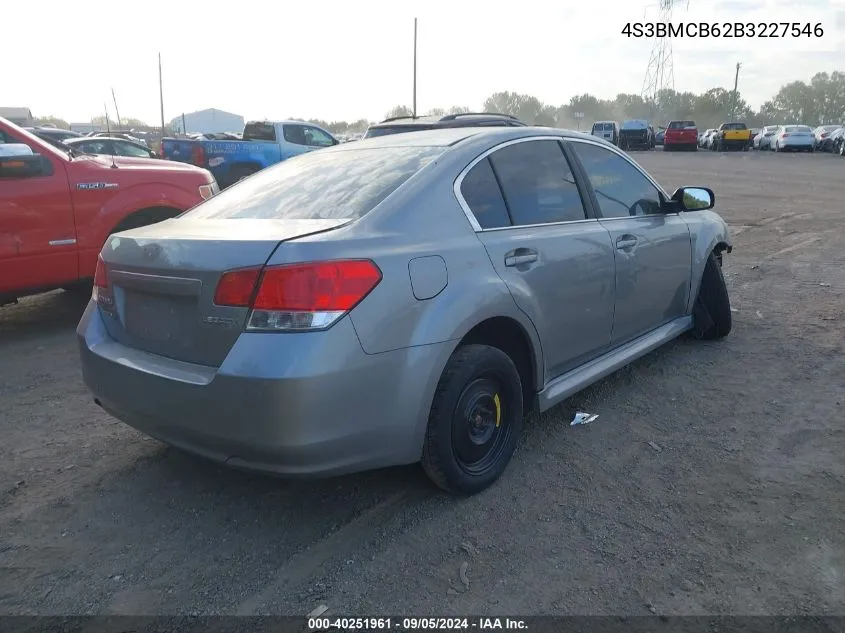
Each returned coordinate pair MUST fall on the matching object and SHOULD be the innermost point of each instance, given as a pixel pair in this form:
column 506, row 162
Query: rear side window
column 537, row 183
column 483, row 196
column 327, row 184
column 259, row 131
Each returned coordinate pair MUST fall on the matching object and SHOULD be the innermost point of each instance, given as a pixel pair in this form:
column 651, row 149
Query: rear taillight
column 824, row 134
column 293, row 297
column 784, row 135
column 236, row 288
column 101, row 292
column 198, row 156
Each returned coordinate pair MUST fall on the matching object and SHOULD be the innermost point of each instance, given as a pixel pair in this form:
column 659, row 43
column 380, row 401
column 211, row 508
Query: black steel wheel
column 475, row 420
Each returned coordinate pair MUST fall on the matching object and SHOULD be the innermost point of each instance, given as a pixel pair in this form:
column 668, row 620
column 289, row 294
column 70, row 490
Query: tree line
column 818, row 102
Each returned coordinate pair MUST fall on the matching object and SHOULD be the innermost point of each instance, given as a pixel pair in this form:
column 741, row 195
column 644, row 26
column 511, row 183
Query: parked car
column 401, row 124
column 681, row 135
column 399, row 299
column 704, row 139
column 659, row 136
column 608, row 130
column 822, row 137
column 58, row 206
column 793, row 138
column 763, row 138
column 264, row 143
column 636, row 134
column 837, row 139
column 128, row 136
column 52, row 133
column 752, row 132
column 110, row 146
column 731, row 136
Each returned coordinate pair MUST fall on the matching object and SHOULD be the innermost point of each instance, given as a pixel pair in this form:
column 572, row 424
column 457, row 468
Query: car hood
column 152, row 164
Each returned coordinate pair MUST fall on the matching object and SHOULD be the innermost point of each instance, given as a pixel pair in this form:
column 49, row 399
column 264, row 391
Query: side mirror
column 24, row 166
column 694, row 198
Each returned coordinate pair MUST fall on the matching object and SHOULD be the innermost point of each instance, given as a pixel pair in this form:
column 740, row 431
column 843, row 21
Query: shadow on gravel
column 41, row 315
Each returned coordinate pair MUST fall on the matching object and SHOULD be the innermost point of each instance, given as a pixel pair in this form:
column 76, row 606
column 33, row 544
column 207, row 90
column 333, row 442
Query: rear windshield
column 681, row 125
column 319, row 185
column 603, row 127
column 804, row 129
column 257, row 131
column 734, row 126
column 394, row 129
column 634, row 125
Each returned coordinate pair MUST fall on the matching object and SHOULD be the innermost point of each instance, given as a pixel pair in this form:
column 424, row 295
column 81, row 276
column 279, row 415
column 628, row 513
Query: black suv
column 399, row 124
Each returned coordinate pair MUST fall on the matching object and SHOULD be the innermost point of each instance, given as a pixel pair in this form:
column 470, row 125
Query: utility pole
column 736, row 94
column 116, row 111
column 414, row 109
column 161, row 95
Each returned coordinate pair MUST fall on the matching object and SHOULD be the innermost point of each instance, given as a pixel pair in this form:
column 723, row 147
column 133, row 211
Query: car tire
column 842, row 149
column 477, row 404
column 712, row 309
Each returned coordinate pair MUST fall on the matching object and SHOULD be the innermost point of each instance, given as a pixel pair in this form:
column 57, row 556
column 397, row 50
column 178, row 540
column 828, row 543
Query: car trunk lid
column 162, row 280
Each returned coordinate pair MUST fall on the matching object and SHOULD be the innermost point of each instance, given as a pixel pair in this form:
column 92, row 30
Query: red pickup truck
column 58, row 206
column 680, row 135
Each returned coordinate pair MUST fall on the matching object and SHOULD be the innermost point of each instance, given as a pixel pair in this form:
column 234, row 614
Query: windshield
column 830, row 128
column 734, row 126
column 319, row 185
column 603, row 127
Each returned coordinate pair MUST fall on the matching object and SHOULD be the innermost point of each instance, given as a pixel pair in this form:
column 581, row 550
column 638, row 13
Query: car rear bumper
column 293, row 404
column 787, row 143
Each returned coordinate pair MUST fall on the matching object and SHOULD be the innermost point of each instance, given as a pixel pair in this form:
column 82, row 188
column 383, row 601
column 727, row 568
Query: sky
column 336, row 60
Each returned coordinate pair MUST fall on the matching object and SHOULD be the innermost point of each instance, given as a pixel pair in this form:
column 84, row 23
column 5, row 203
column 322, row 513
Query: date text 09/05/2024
column 767, row 30
column 415, row 624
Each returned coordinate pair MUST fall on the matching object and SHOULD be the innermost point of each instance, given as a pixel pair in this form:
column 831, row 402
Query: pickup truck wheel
column 475, row 420
column 712, row 310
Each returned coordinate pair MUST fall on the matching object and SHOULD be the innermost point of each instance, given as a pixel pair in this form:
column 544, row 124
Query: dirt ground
column 713, row 481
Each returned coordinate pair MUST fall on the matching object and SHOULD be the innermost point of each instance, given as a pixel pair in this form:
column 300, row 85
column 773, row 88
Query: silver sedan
column 407, row 298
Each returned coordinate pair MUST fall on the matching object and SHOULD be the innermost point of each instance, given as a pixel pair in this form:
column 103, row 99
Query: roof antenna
column 108, row 131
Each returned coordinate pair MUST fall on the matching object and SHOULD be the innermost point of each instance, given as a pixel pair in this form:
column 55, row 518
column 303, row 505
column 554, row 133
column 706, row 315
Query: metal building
column 206, row 121
column 18, row 116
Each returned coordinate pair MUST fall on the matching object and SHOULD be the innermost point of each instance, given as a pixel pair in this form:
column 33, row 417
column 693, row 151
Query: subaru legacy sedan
column 402, row 299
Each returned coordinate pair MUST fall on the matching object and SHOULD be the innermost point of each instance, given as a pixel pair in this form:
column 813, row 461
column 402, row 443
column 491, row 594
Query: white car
column 793, row 138
column 763, row 140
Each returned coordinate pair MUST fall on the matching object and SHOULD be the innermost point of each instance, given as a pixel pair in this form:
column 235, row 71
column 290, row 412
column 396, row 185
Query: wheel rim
column 480, row 427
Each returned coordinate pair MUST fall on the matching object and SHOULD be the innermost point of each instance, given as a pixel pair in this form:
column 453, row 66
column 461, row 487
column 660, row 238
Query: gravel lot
column 713, row 481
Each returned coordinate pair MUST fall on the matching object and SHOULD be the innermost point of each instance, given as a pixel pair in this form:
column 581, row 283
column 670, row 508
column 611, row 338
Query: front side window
column 621, row 190
column 315, row 137
column 537, row 183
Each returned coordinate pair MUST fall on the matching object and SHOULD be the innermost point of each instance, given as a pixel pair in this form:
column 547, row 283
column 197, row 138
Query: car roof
column 446, row 137
column 84, row 139
column 455, row 119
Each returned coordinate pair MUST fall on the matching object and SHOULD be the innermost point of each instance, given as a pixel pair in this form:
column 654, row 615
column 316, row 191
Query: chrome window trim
column 456, row 187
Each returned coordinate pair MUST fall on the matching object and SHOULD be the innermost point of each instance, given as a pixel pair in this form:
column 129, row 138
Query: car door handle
column 626, row 242
column 520, row 256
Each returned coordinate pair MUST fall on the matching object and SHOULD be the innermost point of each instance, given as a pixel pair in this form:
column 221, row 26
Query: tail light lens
column 784, row 135
column 198, row 156
column 101, row 292
column 298, row 297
